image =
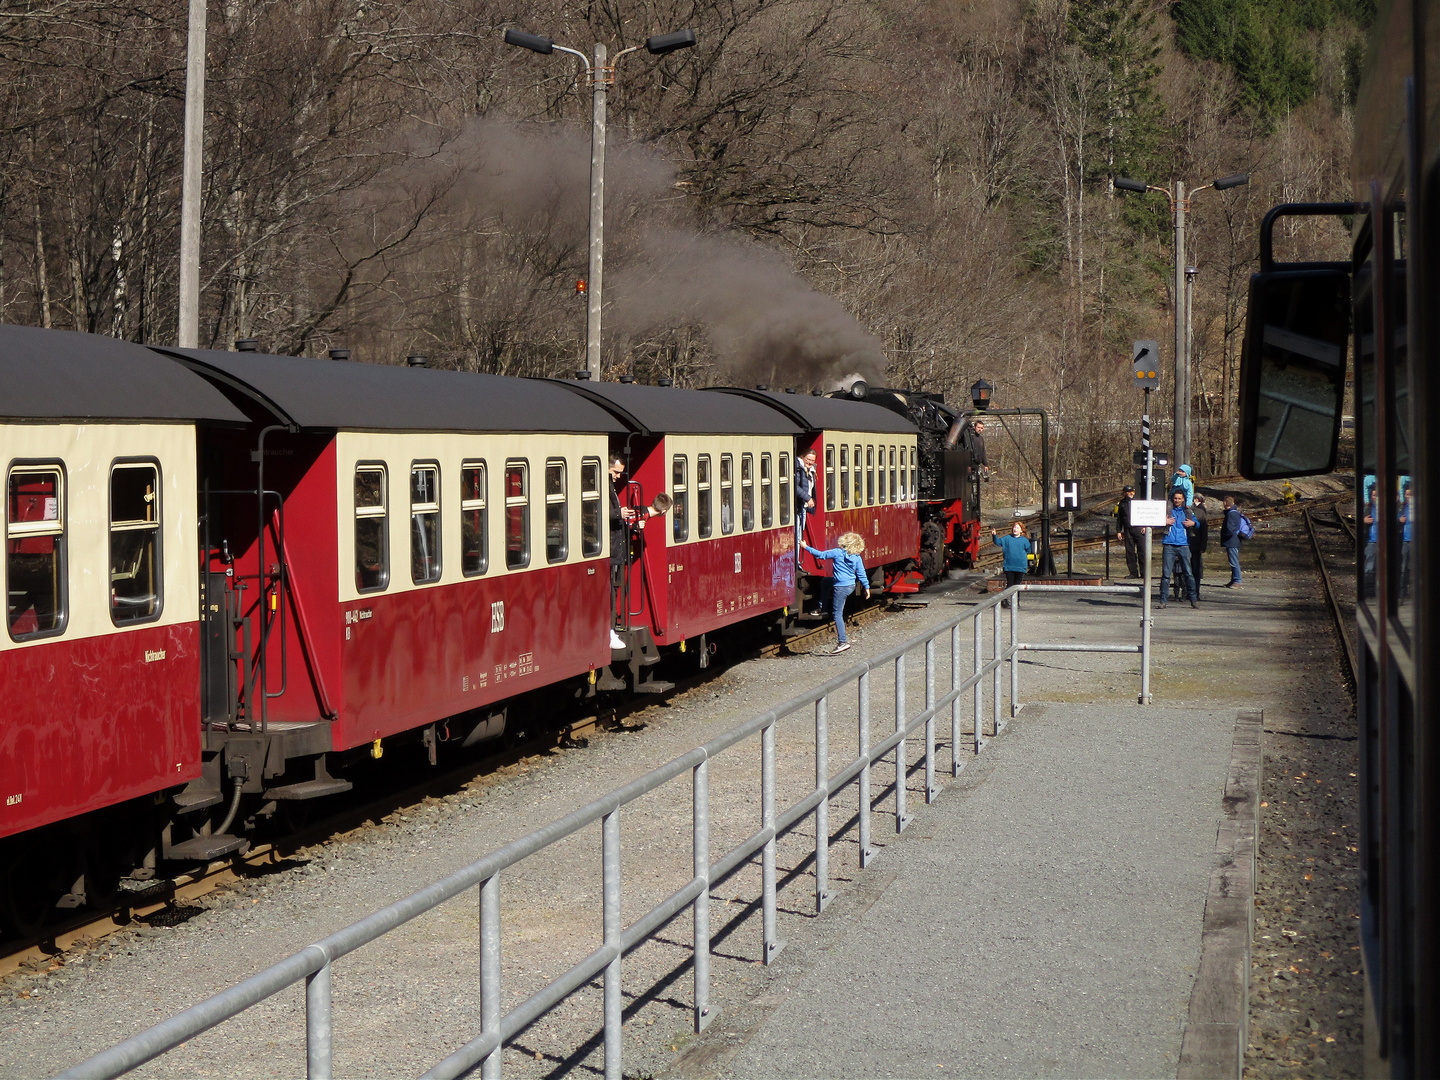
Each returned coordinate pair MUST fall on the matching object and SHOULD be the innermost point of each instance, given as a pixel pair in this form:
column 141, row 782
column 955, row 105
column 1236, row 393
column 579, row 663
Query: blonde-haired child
column 847, row 569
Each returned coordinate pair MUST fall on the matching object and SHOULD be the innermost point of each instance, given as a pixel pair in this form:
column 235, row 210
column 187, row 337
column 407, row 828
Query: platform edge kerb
column 1217, row 1029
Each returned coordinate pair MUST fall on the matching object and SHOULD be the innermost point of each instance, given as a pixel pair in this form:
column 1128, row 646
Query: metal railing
column 313, row 964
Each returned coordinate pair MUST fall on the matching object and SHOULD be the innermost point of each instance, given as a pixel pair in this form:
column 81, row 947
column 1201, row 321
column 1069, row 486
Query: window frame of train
column 894, row 494
column 747, row 492
column 880, row 478
column 914, row 473
column 859, row 477
column 367, row 513
column 704, row 500
column 727, row 494
column 845, row 476
column 782, row 484
column 591, row 541
column 17, row 532
column 127, row 527
column 830, row 485
column 425, row 567
column 517, row 513
column 474, row 500
column 557, row 510
column 767, row 491
column 680, row 497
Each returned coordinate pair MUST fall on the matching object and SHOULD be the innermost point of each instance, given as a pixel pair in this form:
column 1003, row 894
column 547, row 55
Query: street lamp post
column 188, row 331
column 601, row 76
column 1179, row 208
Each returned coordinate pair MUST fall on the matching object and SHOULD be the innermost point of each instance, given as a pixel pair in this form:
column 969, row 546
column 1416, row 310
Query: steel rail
column 314, row 964
column 1333, row 603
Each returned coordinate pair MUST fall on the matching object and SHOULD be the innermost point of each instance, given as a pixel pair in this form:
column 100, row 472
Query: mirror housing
column 1292, row 372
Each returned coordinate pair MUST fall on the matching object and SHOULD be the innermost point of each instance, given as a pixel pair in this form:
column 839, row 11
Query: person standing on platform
column 1176, row 547
column 1132, row 536
column 1372, row 537
column 804, row 494
column 848, row 571
column 1016, row 559
column 1230, row 540
column 1199, row 541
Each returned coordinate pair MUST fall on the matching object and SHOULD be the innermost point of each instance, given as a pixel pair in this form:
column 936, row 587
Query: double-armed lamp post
column 601, row 75
column 1179, row 208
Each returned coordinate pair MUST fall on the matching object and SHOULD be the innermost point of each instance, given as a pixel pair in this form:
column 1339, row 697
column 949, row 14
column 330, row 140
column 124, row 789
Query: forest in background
column 916, row 191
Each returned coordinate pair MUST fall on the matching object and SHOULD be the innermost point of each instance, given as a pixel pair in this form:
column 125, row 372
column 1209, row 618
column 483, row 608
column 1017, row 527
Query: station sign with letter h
column 1145, row 363
column 1067, row 495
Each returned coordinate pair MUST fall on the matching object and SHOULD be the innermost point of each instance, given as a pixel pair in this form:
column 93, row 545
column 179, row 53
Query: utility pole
column 601, row 76
column 1149, row 549
column 188, row 332
column 1182, row 356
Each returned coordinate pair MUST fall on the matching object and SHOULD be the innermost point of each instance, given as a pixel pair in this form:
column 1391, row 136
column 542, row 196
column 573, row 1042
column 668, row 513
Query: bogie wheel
column 29, row 888
column 105, row 865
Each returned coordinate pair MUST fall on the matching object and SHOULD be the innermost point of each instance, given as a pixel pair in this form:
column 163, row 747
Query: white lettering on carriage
column 151, row 655
column 497, row 616
column 13, row 800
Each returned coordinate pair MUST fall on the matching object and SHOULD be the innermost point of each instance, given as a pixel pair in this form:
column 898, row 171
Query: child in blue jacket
column 1016, row 547
column 847, row 569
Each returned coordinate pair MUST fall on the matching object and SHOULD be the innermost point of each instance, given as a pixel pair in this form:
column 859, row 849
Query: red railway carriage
column 428, row 545
column 725, row 551
column 100, row 661
column 866, row 473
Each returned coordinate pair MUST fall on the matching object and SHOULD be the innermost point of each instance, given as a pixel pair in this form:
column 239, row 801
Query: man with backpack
column 1232, row 531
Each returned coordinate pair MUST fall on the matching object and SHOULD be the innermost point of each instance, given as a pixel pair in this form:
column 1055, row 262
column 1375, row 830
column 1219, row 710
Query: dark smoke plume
column 764, row 321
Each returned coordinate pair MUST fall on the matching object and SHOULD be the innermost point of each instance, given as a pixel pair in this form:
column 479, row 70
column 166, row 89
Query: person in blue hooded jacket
column 847, row 570
column 1016, row 554
column 1184, row 482
column 1176, row 548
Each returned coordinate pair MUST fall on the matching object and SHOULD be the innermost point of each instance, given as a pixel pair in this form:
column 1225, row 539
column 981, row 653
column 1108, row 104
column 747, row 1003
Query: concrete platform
column 1043, row 917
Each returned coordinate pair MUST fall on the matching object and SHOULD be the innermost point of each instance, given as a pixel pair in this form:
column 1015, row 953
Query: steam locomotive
column 230, row 576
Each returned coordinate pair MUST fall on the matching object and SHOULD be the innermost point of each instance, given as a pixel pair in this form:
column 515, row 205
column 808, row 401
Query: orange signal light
column 582, row 287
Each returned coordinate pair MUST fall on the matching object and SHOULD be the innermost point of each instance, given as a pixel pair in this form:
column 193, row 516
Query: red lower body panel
column 93, row 722
column 414, row 657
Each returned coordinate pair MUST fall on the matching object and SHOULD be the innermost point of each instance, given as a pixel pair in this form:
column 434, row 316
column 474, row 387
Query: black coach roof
column 60, row 374
column 345, row 395
column 827, row 413
column 654, row 410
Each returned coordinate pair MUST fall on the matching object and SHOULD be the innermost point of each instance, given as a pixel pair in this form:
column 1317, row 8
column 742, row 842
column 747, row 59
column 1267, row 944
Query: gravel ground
column 407, row 1000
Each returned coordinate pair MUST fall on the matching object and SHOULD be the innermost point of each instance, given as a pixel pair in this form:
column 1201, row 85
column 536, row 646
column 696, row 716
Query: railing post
column 995, row 681
column 610, row 870
column 318, row 1032
column 1015, row 654
column 930, row 789
column 822, row 808
column 901, row 754
column 979, row 689
column 866, row 852
column 772, row 943
column 955, row 700
column 700, row 817
column 490, row 973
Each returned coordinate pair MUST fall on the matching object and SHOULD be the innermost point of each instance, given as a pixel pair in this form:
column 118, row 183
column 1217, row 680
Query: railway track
column 1332, row 601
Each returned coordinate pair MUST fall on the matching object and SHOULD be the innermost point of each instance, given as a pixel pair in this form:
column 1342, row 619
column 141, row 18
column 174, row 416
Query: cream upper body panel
column 87, row 455
column 833, row 461
column 691, row 447
column 449, row 453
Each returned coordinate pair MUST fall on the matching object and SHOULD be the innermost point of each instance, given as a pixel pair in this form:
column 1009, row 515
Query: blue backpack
column 1245, row 530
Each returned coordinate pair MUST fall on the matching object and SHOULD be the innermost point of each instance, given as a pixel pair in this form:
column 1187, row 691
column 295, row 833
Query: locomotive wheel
column 28, row 889
column 932, row 551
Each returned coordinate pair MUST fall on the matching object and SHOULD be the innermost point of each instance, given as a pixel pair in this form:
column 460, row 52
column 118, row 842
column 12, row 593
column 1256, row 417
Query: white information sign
column 1149, row 512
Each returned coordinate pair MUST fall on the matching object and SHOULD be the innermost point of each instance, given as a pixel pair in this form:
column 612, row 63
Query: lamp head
column 980, row 391
column 1237, row 180
column 533, row 42
column 1124, row 183
column 661, row 44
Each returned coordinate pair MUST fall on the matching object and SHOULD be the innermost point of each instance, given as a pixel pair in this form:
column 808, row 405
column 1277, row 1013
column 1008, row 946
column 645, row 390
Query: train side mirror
column 1292, row 372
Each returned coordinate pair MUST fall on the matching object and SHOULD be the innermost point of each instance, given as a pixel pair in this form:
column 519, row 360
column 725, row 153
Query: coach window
column 784, row 486
column 767, row 493
column 844, row 478
column 35, row 599
column 747, row 491
column 424, row 523
column 590, row 507
column 829, row 478
column 372, row 549
column 894, row 494
column 474, row 533
column 913, row 478
column 517, row 515
column 880, row 478
column 702, row 495
column 679, row 488
column 869, row 476
column 727, row 493
column 859, row 479
column 135, row 568
column 557, row 544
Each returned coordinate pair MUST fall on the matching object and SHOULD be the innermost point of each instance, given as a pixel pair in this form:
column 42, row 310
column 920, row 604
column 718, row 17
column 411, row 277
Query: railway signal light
column 581, row 287
column 1145, row 364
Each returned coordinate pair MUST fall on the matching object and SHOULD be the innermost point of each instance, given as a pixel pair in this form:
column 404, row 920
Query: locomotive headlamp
column 980, row 394
column 858, row 389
